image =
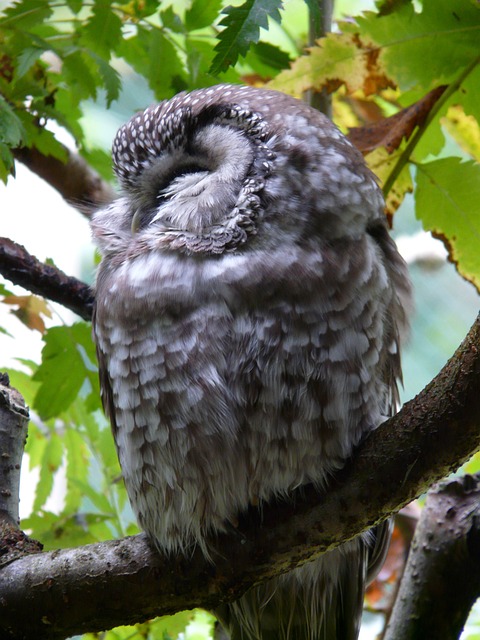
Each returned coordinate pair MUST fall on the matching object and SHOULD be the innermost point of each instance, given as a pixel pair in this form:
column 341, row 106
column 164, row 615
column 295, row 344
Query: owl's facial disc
column 184, row 167
column 196, row 186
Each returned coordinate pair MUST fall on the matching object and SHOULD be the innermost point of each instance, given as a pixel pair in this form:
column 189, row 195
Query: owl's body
column 248, row 318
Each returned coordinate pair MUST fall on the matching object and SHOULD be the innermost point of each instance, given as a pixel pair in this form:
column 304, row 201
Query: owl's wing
column 397, row 319
column 106, row 391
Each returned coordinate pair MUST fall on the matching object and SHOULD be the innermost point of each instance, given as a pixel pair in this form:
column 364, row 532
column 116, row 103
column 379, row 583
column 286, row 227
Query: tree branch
column 13, row 433
column 99, row 586
column 21, row 268
column 442, row 578
column 319, row 24
column 81, row 186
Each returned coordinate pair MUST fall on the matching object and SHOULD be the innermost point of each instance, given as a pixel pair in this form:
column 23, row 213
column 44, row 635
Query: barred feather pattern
column 250, row 310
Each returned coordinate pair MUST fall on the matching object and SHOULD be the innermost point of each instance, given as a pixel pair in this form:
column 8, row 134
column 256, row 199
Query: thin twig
column 319, row 24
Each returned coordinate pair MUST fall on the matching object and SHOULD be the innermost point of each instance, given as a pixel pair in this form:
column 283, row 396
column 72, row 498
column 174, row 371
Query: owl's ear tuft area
column 157, row 130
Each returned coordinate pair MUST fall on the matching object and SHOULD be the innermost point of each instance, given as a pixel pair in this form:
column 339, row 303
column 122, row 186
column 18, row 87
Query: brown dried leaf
column 379, row 594
column 389, row 132
column 30, row 310
column 366, row 111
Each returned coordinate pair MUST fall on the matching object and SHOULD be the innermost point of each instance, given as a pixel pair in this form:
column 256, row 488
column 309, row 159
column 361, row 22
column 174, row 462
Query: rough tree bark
column 13, row 432
column 442, row 577
column 20, row 267
column 98, row 586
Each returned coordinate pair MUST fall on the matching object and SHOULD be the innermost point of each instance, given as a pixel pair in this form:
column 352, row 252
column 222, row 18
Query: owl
column 250, row 308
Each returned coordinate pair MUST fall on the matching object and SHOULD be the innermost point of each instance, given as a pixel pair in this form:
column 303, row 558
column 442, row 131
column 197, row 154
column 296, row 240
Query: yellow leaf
column 464, row 129
column 381, row 163
column 339, row 58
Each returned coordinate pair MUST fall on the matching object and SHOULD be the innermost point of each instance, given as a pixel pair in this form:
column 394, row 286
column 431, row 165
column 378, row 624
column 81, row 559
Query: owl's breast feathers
column 233, row 379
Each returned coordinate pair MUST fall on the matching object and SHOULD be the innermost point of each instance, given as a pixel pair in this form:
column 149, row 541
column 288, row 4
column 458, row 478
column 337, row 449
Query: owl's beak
column 136, row 221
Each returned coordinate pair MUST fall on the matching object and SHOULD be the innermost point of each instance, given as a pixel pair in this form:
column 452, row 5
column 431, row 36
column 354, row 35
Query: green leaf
column 201, row 627
column 267, row 59
column 7, row 163
column 4, row 291
column 11, row 128
column 164, row 84
column 64, row 531
column 68, row 363
column 199, row 60
column 77, row 468
column 427, row 48
column 86, row 422
column 144, row 51
column 171, row 626
column 99, row 527
column 100, row 160
column 172, row 20
column 384, row 7
column 39, row 137
column 97, row 498
column 75, row 5
column 107, row 452
column 40, row 522
column 24, row 381
column 110, row 77
column 60, row 374
column 26, row 14
column 79, row 74
column 46, row 142
column 447, row 201
column 470, row 94
column 103, row 30
column 68, row 113
column 49, row 465
column 242, row 28
column 201, row 14
column 26, row 59
column 36, row 444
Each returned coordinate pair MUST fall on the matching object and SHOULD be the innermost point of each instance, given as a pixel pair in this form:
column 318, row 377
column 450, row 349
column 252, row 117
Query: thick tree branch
column 98, row 586
column 20, row 267
column 442, row 578
column 13, row 432
column 74, row 179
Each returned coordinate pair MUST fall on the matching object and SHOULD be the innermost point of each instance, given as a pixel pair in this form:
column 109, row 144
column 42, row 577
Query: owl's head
column 228, row 167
